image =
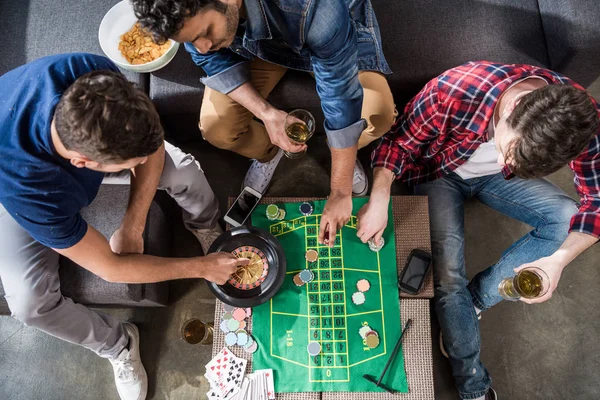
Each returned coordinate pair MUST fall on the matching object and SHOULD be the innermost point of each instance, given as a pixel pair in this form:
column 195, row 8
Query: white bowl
column 117, row 21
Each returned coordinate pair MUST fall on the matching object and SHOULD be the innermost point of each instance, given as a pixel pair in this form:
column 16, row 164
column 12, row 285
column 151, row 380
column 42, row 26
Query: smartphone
column 414, row 272
column 241, row 209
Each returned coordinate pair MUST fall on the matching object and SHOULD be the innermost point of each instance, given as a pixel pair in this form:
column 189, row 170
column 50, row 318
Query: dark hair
column 165, row 18
column 106, row 118
column 554, row 124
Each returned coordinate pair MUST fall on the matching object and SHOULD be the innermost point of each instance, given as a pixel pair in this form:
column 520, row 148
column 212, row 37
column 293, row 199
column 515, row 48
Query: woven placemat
column 416, row 350
column 411, row 226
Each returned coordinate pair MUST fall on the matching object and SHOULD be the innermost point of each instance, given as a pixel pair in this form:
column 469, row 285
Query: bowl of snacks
column 128, row 45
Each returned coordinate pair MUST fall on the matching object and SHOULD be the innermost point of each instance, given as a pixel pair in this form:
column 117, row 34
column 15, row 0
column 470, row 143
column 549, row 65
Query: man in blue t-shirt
column 65, row 122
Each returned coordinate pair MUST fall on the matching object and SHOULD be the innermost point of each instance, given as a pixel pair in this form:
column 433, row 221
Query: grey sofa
column 421, row 38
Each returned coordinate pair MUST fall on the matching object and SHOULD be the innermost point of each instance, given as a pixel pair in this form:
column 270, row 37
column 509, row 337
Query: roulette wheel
column 257, row 282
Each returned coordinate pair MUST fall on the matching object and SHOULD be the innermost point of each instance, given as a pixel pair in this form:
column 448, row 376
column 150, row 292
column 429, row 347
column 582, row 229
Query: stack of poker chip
column 303, row 277
column 233, row 324
column 275, row 213
column 369, row 336
column 363, row 286
column 376, row 246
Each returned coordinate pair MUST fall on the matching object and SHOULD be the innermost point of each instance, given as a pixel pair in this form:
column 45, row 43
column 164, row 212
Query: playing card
column 270, row 384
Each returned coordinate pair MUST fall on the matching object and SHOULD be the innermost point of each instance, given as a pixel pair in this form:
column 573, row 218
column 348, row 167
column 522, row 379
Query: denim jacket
column 332, row 38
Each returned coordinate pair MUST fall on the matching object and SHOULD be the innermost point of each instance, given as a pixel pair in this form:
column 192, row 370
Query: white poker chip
column 225, row 326
column 364, row 330
column 358, row 298
column 314, row 348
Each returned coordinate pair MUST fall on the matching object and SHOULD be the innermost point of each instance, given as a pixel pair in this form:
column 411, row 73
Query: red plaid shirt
column 448, row 119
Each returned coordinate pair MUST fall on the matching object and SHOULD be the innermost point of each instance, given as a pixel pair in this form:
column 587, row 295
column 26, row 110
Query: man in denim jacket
column 246, row 46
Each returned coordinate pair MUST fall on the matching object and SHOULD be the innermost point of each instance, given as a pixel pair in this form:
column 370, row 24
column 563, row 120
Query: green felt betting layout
column 322, row 310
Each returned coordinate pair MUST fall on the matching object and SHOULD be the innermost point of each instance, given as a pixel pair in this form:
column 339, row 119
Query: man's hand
column 274, row 121
column 373, row 219
column 553, row 268
column 219, row 266
column 336, row 213
column 127, row 241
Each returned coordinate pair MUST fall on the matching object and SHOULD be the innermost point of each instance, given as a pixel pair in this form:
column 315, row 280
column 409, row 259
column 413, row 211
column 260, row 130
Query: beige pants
column 228, row 125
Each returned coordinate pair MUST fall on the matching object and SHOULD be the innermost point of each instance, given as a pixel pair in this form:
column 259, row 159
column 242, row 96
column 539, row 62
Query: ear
column 78, row 160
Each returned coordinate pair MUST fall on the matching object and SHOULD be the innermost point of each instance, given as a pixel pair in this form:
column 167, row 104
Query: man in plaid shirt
column 467, row 134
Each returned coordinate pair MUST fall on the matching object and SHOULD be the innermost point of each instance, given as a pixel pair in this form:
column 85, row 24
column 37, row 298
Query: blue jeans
column 536, row 202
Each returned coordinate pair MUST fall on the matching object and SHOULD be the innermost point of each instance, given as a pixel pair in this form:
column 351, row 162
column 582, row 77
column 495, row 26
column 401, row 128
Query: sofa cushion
column 31, row 29
column 572, row 34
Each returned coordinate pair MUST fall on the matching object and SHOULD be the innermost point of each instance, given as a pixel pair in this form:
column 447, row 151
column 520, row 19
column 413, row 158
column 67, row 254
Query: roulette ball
column 257, row 282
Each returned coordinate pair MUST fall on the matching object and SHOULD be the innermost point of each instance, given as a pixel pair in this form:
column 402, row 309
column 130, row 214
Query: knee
column 560, row 219
column 379, row 122
column 219, row 130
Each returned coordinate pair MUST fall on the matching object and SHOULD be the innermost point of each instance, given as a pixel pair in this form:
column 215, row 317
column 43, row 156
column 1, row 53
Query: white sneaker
column 206, row 237
column 360, row 183
column 259, row 174
column 130, row 375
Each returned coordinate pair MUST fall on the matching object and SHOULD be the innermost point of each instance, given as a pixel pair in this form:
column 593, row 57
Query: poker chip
column 306, row 276
column 281, row 215
column 371, row 333
column 233, row 324
column 376, row 247
column 364, row 330
column 306, row 209
column 311, row 255
column 250, row 341
column 358, row 298
column 372, row 341
column 227, row 308
column 314, row 348
column 227, row 316
column 231, row 339
column 239, row 314
column 224, row 326
column 242, row 338
column 298, row 281
column 252, row 348
column 248, row 311
column 272, row 212
column 363, row 285
column 242, row 325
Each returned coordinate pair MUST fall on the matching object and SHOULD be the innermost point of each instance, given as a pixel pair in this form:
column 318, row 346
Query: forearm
column 249, row 98
column 342, row 168
column 141, row 268
column 575, row 244
column 382, row 183
column 144, row 182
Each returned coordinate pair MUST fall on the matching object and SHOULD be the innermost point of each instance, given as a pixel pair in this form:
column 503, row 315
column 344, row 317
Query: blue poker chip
column 306, row 209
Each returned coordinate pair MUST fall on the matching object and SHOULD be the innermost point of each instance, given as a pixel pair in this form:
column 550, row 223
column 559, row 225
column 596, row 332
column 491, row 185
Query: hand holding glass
column 299, row 127
column 529, row 283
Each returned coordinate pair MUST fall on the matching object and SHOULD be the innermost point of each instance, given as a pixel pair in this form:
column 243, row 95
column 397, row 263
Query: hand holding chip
column 372, row 219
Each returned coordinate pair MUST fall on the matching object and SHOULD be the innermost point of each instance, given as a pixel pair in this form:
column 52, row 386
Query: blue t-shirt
column 40, row 189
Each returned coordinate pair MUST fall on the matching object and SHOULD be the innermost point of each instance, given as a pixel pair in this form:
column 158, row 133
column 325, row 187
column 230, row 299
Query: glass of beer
column 529, row 283
column 299, row 127
column 195, row 331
